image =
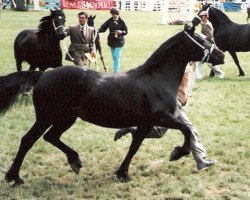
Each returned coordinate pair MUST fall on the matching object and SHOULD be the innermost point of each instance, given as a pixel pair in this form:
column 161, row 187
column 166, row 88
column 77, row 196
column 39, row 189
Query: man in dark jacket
column 117, row 30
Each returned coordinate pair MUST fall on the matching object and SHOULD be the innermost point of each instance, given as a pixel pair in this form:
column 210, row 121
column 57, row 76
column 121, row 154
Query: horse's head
column 58, row 20
column 91, row 20
column 201, row 49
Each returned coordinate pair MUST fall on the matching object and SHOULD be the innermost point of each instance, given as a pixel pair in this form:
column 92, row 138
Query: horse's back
column 57, row 91
column 21, row 40
column 24, row 34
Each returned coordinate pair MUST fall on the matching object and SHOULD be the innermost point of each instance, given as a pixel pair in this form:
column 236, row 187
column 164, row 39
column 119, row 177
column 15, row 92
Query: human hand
column 93, row 54
column 118, row 31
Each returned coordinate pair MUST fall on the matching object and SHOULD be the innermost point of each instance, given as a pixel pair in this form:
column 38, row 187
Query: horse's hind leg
column 53, row 137
column 235, row 58
column 32, row 68
column 138, row 137
column 27, row 142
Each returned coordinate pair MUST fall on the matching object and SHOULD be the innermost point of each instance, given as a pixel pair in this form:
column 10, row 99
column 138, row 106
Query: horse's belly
column 107, row 118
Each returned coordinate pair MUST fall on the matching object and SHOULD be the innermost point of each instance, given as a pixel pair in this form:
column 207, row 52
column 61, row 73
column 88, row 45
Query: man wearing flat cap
column 207, row 31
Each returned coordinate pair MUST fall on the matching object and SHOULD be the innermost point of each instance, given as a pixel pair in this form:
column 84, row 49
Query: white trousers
column 200, row 68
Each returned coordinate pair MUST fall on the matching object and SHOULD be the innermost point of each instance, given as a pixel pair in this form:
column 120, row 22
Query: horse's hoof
column 76, row 166
column 242, row 74
column 177, row 153
column 118, row 135
column 123, row 176
column 18, row 181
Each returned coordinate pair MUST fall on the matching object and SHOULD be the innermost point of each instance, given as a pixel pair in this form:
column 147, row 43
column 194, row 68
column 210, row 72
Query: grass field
column 220, row 109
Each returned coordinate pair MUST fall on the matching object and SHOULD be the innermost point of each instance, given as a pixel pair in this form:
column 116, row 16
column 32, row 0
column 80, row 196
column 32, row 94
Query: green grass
column 218, row 108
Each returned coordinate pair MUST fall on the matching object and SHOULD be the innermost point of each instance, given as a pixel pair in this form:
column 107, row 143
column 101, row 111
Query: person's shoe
column 205, row 164
column 222, row 75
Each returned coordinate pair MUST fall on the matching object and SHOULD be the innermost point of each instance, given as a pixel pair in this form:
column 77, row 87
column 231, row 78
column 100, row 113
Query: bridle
column 207, row 52
column 57, row 27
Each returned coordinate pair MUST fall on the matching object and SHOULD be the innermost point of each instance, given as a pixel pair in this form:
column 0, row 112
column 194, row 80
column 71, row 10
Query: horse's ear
column 52, row 9
column 189, row 29
column 206, row 6
column 94, row 17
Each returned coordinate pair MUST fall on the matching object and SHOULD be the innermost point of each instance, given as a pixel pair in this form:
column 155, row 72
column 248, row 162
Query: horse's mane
column 220, row 14
column 44, row 25
column 164, row 52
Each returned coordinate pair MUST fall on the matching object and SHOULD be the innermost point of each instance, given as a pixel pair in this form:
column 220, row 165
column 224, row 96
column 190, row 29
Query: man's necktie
column 83, row 32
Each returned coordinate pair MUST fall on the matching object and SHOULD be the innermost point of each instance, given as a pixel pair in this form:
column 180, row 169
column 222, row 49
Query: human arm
column 104, row 27
column 208, row 32
column 123, row 29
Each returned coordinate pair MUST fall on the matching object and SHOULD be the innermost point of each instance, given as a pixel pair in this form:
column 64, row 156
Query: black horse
column 144, row 97
column 248, row 14
column 228, row 35
column 41, row 47
column 91, row 22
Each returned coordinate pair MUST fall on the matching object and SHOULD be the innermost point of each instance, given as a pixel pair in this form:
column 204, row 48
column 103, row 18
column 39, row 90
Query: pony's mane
column 165, row 51
column 44, row 25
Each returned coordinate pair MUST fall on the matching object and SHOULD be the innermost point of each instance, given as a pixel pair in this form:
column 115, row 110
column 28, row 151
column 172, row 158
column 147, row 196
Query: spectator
column 207, row 32
column 221, row 5
column 82, row 40
column 117, row 30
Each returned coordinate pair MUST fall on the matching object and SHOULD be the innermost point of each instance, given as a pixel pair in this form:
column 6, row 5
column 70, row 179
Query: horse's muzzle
column 61, row 36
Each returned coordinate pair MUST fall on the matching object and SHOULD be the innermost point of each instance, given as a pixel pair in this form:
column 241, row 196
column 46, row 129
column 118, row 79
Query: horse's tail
column 17, row 54
column 13, row 84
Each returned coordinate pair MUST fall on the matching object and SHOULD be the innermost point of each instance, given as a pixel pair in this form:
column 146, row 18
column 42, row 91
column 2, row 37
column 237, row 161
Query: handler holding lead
column 82, row 39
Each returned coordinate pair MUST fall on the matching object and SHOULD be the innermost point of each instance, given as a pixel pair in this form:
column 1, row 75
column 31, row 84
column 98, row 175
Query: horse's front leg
column 177, row 123
column 138, row 137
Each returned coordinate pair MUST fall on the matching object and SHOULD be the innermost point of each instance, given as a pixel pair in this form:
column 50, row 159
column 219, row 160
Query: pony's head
column 58, row 20
column 91, row 20
column 201, row 49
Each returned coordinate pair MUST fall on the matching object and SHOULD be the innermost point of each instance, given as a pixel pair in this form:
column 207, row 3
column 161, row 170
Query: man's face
column 82, row 20
column 203, row 18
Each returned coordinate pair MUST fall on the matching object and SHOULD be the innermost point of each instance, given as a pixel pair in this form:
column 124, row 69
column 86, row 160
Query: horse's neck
column 47, row 33
column 219, row 20
column 49, row 36
column 167, row 63
column 169, row 71
column 172, row 70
